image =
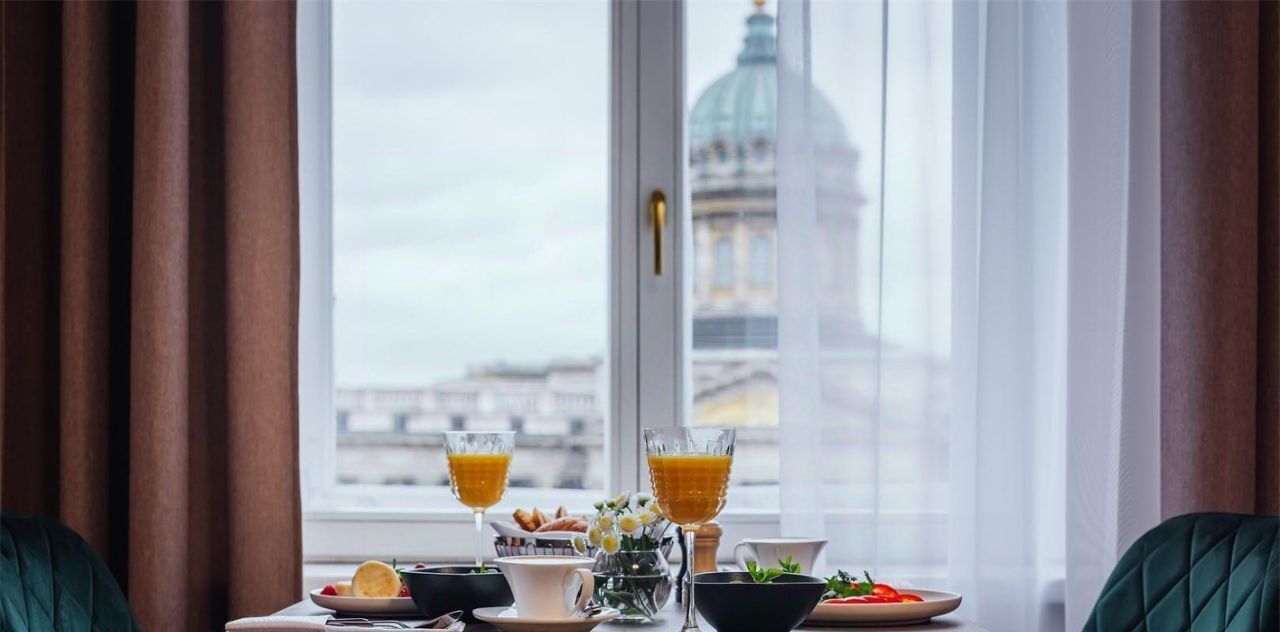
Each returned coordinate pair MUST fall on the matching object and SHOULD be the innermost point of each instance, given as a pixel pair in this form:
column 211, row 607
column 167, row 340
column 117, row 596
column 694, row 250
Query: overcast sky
column 471, row 166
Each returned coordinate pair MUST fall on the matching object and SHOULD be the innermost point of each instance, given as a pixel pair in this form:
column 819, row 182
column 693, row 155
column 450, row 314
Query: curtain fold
column 1056, row 215
column 1220, row 340
column 864, row 285
column 149, row 295
column 1009, row 258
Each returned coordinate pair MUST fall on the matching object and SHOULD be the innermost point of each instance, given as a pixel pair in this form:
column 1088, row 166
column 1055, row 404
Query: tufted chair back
column 1198, row 572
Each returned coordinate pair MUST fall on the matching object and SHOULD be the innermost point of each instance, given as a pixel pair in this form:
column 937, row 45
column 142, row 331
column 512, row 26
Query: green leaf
column 842, row 584
column 789, row 566
column 763, row 575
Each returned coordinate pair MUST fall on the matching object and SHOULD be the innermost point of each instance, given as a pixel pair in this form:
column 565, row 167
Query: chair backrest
column 1200, row 572
column 51, row 579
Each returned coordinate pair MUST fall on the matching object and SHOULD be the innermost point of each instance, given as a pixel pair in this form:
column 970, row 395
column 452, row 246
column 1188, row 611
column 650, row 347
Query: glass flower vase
column 636, row 582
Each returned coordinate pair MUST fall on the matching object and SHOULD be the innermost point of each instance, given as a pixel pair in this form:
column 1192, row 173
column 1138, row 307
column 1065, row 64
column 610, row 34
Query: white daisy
column 605, row 522
column 630, row 524
column 609, row 542
column 594, row 535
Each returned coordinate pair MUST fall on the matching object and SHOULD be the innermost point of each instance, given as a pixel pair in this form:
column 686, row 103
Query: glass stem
column 690, row 615
column 480, row 539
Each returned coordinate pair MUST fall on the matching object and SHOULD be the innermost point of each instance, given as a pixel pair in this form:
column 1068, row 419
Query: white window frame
column 649, row 316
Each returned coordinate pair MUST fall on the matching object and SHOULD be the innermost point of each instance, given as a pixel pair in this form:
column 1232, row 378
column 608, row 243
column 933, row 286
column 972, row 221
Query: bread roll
column 567, row 523
column 525, row 520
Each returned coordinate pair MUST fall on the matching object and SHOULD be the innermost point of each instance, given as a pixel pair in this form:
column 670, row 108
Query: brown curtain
column 1220, row 173
column 149, row 222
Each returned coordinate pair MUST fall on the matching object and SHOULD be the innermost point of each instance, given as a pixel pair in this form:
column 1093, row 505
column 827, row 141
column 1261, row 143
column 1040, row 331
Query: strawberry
column 329, row 590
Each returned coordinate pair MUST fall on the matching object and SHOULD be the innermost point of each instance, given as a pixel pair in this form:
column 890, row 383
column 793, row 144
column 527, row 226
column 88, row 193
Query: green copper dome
column 741, row 107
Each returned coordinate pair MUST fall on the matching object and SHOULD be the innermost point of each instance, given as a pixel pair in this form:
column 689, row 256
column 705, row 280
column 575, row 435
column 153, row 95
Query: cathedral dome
column 739, row 109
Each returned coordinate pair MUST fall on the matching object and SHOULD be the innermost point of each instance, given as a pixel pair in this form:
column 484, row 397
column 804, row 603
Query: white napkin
column 319, row 623
column 253, row 624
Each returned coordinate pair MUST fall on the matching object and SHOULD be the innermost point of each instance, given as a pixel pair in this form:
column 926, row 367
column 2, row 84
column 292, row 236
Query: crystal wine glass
column 478, row 464
column 689, row 469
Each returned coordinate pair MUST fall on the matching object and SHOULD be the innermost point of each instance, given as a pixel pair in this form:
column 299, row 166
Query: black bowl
column 732, row 602
column 442, row 589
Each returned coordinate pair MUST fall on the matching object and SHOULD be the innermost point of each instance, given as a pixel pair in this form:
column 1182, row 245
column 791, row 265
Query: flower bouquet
column 631, row 570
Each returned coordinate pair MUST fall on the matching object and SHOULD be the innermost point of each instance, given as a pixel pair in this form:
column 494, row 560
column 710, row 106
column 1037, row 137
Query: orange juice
column 479, row 480
column 690, row 489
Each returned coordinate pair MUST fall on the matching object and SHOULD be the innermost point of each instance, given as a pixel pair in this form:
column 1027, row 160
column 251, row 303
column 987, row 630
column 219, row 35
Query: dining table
column 671, row 617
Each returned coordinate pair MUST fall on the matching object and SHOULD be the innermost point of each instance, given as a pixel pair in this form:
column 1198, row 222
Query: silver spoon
column 591, row 611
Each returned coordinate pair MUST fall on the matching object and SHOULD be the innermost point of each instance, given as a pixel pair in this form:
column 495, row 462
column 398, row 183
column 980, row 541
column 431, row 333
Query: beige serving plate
column 365, row 605
column 936, row 603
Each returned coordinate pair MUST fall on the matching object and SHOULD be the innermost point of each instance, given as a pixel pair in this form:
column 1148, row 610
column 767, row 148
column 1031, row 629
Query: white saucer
column 508, row 620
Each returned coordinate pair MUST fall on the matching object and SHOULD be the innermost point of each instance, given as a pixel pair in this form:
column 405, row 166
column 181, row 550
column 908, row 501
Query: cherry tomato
column 908, row 598
column 846, row 600
column 883, row 590
column 404, row 591
column 419, row 565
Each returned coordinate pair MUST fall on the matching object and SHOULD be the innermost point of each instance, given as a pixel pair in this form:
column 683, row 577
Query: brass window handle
column 658, row 218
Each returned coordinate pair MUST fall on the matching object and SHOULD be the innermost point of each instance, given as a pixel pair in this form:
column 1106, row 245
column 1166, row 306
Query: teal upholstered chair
column 1196, row 572
column 50, row 579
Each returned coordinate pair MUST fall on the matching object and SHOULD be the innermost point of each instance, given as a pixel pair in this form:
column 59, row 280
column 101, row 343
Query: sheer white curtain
column 993, row 425
column 864, row 286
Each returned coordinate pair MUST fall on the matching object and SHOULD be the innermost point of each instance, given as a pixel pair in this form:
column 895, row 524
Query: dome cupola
column 738, row 112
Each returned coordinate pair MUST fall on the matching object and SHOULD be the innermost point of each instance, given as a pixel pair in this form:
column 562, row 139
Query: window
column 449, row 154
column 464, row 252
column 724, row 262
column 476, row 253
column 761, row 261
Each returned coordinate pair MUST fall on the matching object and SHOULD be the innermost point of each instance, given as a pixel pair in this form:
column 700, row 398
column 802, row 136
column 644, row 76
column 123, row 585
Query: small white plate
column 364, row 605
column 936, row 603
column 508, row 620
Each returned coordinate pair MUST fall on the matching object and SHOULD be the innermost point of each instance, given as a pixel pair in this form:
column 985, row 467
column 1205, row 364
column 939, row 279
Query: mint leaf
column 789, row 566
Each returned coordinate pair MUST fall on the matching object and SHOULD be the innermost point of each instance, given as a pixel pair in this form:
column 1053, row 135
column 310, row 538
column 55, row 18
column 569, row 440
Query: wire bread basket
column 508, row 546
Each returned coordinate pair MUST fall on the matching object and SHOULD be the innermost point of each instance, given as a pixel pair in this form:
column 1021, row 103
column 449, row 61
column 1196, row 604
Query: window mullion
column 656, row 156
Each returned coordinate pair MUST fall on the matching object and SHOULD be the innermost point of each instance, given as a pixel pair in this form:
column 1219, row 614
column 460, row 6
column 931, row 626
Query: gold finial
column 759, row 5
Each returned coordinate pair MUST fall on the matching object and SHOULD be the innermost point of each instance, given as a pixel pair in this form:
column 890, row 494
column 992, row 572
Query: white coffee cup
column 768, row 551
column 544, row 585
